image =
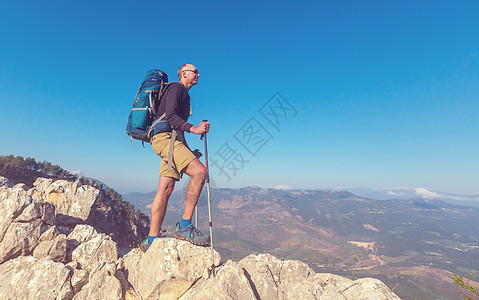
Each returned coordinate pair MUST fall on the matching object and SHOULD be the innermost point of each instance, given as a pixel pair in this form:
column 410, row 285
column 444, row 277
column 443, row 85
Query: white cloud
column 77, row 172
column 282, row 187
column 391, row 193
column 396, row 188
column 427, row 194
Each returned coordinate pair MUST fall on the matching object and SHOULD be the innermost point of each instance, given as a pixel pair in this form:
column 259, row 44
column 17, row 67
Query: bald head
column 188, row 75
column 183, row 68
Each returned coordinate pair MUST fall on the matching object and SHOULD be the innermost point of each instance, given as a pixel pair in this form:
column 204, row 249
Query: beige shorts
column 182, row 156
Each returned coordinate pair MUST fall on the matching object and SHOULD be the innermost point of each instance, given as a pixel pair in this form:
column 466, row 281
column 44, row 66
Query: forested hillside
column 26, row 170
column 109, row 212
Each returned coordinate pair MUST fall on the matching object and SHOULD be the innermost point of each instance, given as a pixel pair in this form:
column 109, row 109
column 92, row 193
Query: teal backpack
column 141, row 123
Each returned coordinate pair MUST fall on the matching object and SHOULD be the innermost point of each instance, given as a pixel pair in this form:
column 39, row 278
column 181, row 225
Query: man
column 176, row 105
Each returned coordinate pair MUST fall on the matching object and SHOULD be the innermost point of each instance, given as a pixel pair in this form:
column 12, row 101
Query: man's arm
column 173, row 103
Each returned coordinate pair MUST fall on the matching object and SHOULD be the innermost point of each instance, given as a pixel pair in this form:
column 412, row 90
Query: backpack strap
column 174, row 134
column 170, row 152
column 152, row 127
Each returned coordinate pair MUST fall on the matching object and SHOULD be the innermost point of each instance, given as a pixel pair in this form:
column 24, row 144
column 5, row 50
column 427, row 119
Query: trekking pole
column 196, row 215
column 203, row 135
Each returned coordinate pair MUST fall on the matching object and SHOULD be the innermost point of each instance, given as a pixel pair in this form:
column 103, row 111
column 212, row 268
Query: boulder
column 22, row 222
column 168, row 269
column 20, row 239
column 102, row 284
column 72, row 200
column 49, row 234
column 13, row 200
column 80, row 234
column 54, row 249
column 272, row 278
column 79, row 279
column 264, row 273
column 367, row 289
column 30, row 278
column 94, row 253
column 5, row 183
column 230, row 282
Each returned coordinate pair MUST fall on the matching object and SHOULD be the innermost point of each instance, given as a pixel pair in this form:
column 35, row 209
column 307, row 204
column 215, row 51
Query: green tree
column 469, row 291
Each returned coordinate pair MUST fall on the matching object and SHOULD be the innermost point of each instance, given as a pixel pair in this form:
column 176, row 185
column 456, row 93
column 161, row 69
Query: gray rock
column 79, row 279
column 94, row 253
column 101, row 285
column 22, row 222
column 5, row 183
column 41, row 184
column 72, row 200
column 31, row 278
column 12, row 203
column 30, row 213
column 20, row 239
column 55, row 249
column 230, row 282
column 272, row 278
column 127, row 288
column 276, row 279
column 49, row 234
column 168, row 268
column 264, row 272
column 81, row 233
column 48, row 213
column 38, row 210
column 367, row 289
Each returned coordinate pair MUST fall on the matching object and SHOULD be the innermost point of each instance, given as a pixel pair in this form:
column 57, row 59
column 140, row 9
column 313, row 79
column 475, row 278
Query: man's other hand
column 200, row 129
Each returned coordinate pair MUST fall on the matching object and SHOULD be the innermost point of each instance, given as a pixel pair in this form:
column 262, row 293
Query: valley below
column 412, row 245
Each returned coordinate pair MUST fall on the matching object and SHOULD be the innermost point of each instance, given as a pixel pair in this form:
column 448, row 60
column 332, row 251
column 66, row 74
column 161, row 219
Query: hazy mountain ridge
column 340, row 232
column 410, row 193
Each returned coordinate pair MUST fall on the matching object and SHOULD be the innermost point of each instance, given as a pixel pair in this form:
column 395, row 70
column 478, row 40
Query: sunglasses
column 194, row 71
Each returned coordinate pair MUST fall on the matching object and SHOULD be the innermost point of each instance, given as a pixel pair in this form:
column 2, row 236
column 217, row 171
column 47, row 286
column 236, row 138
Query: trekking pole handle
column 203, row 135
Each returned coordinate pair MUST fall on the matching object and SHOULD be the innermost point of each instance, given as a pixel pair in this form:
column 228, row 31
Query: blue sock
column 185, row 223
column 151, row 238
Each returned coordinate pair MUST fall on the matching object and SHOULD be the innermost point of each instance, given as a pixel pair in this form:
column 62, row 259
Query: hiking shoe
column 192, row 235
column 145, row 245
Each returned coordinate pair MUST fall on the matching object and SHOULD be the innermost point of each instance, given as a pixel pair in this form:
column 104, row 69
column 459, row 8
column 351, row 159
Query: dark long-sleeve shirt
column 176, row 104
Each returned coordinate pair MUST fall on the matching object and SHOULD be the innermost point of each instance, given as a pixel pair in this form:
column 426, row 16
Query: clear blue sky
column 384, row 93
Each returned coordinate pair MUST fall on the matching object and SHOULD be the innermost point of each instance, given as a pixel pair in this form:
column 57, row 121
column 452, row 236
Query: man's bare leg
column 159, row 205
column 197, row 172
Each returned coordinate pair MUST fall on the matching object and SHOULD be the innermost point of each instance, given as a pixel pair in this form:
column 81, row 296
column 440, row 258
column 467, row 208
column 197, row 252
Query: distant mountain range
column 414, row 193
column 412, row 245
column 143, row 200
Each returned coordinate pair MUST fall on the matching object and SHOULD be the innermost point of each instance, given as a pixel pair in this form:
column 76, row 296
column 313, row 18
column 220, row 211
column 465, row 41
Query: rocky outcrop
column 22, row 221
column 169, row 268
column 95, row 252
column 72, row 200
column 230, row 282
column 30, row 278
column 273, row 278
column 51, row 246
column 41, row 259
column 102, row 284
column 78, row 203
